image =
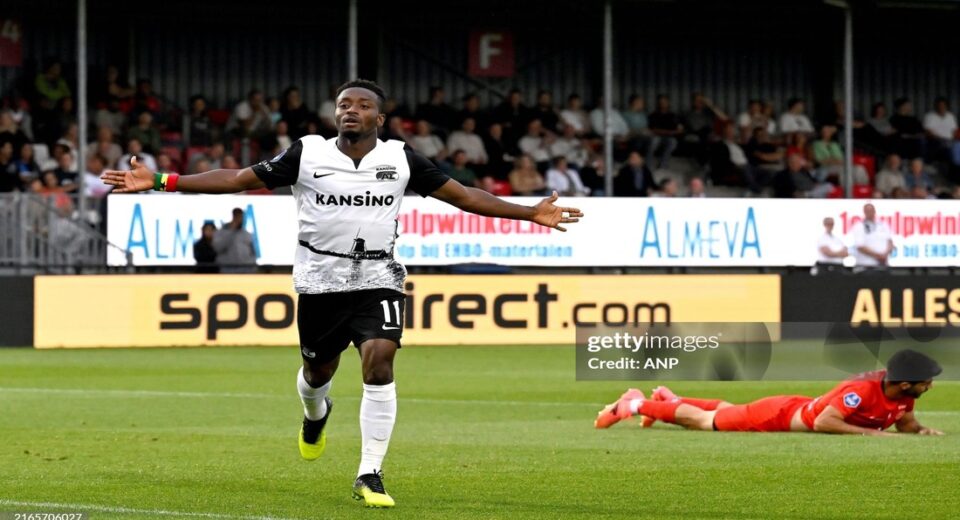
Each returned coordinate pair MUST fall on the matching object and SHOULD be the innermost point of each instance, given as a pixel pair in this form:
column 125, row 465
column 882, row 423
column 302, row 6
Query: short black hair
column 912, row 367
column 367, row 84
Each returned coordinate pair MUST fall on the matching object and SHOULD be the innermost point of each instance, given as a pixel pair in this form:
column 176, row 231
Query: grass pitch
column 483, row 432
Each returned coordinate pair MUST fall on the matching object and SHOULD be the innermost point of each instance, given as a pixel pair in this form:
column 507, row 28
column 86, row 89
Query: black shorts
column 329, row 322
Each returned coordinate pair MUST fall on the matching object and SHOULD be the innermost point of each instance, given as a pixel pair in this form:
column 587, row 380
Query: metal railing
column 44, row 234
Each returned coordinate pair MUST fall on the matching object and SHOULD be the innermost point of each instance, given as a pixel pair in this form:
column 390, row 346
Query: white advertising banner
column 160, row 229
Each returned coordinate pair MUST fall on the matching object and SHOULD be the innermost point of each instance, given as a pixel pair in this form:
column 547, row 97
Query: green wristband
column 158, row 182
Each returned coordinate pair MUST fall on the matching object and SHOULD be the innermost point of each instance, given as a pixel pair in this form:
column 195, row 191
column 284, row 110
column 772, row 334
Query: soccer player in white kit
column 348, row 192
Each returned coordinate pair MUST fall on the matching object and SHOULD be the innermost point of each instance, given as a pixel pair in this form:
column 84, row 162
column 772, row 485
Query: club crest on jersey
column 386, row 172
column 851, row 400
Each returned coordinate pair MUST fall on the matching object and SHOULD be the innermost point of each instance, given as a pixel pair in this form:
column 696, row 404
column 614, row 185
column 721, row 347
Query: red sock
column 703, row 404
column 665, row 411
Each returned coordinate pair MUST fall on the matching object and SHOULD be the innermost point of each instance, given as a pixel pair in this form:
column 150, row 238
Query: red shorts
column 770, row 414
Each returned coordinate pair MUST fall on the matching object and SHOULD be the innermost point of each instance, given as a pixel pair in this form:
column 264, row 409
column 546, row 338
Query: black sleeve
column 282, row 170
column 425, row 177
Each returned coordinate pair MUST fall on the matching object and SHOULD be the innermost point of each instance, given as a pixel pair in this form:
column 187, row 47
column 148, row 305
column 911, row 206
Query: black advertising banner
column 907, row 301
column 16, row 311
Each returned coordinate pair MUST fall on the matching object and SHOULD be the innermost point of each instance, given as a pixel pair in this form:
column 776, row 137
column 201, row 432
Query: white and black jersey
column 347, row 210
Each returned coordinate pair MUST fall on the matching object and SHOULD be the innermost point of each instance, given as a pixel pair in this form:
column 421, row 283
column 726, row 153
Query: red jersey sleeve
column 850, row 396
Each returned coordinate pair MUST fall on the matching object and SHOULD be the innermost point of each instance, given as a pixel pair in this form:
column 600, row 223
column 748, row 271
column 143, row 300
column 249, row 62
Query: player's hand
column 929, row 431
column 140, row 178
column 547, row 214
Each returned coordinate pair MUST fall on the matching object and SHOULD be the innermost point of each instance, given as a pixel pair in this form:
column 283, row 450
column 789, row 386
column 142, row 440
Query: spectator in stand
column 50, row 187
column 111, row 117
column 525, row 180
column 618, row 125
column 460, row 172
column 10, row 131
column 920, row 192
column 755, row 117
column 763, row 153
column 891, row 177
column 469, row 142
column 9, row 176
column 295, row 113
column 593, row 176
column 19, row 110
column 202, row 164
column 394, row 130
column 880, row 121
column 145, row 99
column 327, row 113
column 499, row 156
column 92, row 185
column 565, row 180
column 165, row 163
column 941, row 127
column 667, row 188
column 699, row 121
column 234, row 246
column 696, row 189
column 113, row 87
column 827, row 154
column 50, row 125
column 251, row 117
column 666, row 128
column 134, row 148
column 50, row 85
column 872, row 244
column 441, row 116
column 918, row 175
column 634, row 178
column 471, row 108
column 203, row 251
column 795, row 122
column 830, row 249
column 536, row 143
column 230, row 162
column 796, row 181
column 637, row 121
column 729, row 164
column 66, row 171
column 899, row 193
column 545, row 111
column 427, row 143
column 571, row 147
column 574, row 115
column 910, row 138
column 105, row 146
column 273, row 108
column 200, row 127
column 513, row 116
column 146, row 133
column 27, row 168
column 283, row 136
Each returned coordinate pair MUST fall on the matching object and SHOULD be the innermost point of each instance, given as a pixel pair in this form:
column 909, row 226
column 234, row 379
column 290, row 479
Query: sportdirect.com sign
column 160, row 229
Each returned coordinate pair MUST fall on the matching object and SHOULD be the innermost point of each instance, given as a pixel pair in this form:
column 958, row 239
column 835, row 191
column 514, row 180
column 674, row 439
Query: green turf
column 483, row 432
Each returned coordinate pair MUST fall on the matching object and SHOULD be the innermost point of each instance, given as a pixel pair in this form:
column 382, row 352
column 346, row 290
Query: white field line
column 130, row 511
column 164, row 393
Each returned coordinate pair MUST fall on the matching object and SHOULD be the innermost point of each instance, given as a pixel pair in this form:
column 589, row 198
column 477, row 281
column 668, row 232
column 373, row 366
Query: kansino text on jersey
column 424, row 224
column 326, row 199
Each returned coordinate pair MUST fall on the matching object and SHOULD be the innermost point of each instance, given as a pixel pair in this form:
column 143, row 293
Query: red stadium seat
column 191, row 151
column 218, row 117
column 837, row 193
column 862, row 191
column 502, row 188
column 868, row 162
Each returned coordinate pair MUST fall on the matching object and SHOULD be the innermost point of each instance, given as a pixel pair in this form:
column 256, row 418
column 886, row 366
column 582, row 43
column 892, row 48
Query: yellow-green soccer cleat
column 313, row 435
column 369, row 488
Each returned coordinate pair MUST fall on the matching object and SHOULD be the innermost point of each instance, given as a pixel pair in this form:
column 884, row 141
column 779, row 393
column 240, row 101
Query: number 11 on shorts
column 391, row 321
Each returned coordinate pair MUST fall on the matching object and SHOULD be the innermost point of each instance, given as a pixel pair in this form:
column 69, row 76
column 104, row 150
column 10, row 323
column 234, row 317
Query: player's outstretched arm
column 475, row 200
column 140, row 178
column 831, row 420
column 909, row 424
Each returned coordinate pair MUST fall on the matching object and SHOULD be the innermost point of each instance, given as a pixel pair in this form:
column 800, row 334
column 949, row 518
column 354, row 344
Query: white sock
column 313, row 399
column 378, row 412
column 635, row 406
